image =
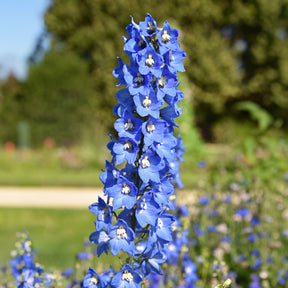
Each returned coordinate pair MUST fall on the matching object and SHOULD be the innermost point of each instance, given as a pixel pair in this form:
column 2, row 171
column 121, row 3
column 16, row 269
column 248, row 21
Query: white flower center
column 162, row 82
column 139, row 247
column 171, row 247
column 146, row 102
column 139, row 80
column 188, row 270
column 125, row 189
column 129, row 125
column 165, row 37
column 149, row 61
column 145, row 162
column 150, row 127
column 121, row 233
column 127, row 276
column 160, row 223
column 128, row 145
column 94, row 280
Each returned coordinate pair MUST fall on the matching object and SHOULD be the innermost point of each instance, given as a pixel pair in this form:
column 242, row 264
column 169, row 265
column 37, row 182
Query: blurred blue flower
column 203, row 200
column 126, row 278
column 242, row 212
column 83, row 255
column 68, row 272
column 201, row 164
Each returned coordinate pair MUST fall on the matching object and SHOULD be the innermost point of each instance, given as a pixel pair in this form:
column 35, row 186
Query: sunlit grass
column 57, row 234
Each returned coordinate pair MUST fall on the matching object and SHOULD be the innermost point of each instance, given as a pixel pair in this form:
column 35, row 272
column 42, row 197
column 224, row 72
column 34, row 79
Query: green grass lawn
column 50, row 177
column 57, row 234
column 76, row 168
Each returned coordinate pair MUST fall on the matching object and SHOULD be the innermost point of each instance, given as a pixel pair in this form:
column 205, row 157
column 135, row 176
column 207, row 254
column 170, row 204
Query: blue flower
column 151, row 262
column 227, row 199
column 189, row 269
column 169, row 113
column 149, row 26
column 149, row 166
column 125, row 150
column 180, row 149
column 100, row 238
column 166, row 84
column 163, row 228
column 203, row 200
column 173, row 60
column 123, row 193
column 226, row 239
column 118, row 72
column 202, row 164
column 136, row 42
column 173, row 100
column 242, row 212
column 167, row 38
column 93, row 280
column 162, row 191
column 252, row 238
column 197, row 230
column 255, row 281
column 150, row 61
column 257, row 264
column 255, row 252
column 255, row 221
column 136, row 82
column 165, row 149
column 153, row 130
column 147, row 210
column 280, row 281
column 84, row 255
column 121, row 238
column 68, row 272
column 29, row 279
column 104, row 213
column 110, row 176
column 148, row 104
column 126, row 278
column 211, row 228
column 126, row 99
column 128, row 126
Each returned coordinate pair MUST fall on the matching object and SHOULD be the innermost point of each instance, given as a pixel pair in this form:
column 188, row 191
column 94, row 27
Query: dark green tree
column 57, row 98
column 9, row 109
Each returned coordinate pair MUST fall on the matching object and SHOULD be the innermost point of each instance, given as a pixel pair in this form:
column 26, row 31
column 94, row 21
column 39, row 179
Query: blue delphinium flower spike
column 136, row 217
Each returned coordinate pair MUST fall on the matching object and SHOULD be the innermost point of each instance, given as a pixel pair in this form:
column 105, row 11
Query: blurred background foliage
column 236, row 69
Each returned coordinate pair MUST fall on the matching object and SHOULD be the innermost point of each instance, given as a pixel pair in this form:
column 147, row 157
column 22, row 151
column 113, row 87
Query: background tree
column 236, row 49
column 56, row 98
column 9, row 108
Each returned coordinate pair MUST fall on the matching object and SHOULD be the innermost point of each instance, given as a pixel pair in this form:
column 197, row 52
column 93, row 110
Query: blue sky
column 21, row 22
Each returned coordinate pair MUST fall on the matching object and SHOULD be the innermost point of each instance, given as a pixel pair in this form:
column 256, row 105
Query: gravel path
column 58, row 197
column 48, row 197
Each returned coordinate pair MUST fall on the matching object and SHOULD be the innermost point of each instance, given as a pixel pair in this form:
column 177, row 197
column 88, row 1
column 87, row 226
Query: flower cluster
column 246, row 242
column 179, row 270
column 135, row 217
column 27, row 273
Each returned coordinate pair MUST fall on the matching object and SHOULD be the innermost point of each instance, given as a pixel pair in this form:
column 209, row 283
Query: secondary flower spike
column 135, row 217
